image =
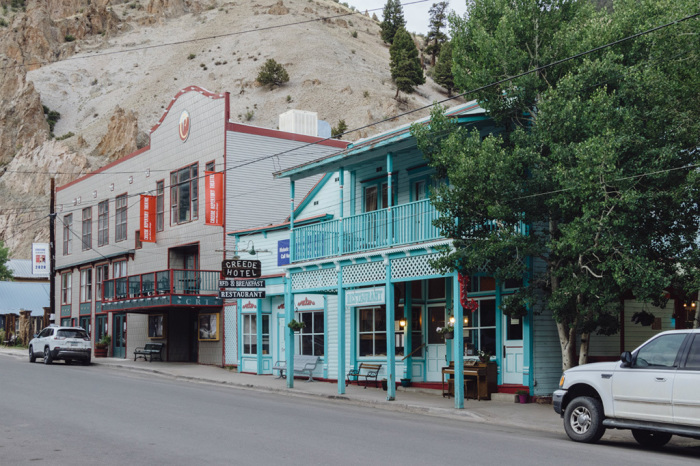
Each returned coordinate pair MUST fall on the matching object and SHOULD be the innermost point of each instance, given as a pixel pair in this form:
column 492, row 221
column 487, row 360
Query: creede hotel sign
column 365, row 297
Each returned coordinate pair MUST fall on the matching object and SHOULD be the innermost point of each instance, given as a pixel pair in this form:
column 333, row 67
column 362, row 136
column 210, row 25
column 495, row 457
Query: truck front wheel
column 583, row 420
column 651, row 439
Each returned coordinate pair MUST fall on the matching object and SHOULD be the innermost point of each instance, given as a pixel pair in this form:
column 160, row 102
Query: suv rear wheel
column 651, row 439
column 583, row 420
column 32, row 358
column 47, row 356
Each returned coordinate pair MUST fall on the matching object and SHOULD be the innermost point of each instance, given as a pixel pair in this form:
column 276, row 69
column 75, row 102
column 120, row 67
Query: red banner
column 214, row 198
column 148, row 219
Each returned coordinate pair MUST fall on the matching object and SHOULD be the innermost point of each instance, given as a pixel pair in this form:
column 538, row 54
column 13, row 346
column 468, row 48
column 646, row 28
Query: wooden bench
column 151, row 349
column 302, row 364
column 371, row 371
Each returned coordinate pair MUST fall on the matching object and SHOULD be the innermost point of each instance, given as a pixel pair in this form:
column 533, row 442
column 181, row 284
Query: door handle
column 660, row 379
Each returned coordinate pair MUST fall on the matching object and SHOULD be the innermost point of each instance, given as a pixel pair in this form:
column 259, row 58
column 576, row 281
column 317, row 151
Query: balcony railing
column 410, row 223
column 164, row 282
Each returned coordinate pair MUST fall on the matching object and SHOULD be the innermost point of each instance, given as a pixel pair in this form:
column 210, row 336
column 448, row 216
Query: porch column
column 258, row 336
column 288, row 333
column 341, row 331
column 407, row 331
column 390, row 199
column 341, row 234
column 528, row 337
column 458, row 342
column 292, row 252
column 390, row 334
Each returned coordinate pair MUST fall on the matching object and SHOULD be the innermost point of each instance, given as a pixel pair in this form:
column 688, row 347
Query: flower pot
column 385, row 385
column 523, row 399
column 100, row 352
column 449, row 335
column 405, row 382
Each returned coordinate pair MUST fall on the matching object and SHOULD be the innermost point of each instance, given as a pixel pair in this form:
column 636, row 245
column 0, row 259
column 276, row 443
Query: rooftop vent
column 299, row 122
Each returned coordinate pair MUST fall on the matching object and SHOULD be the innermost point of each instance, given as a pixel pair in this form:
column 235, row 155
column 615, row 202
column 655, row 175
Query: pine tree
column 442, row 73
column 272, row 73
column 405, row 65
column 393, row 20
column 436, row 37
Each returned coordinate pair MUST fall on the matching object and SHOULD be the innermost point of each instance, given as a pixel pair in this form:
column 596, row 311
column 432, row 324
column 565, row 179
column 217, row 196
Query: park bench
column 366, row 371
column 302, row 364
column 151, row 349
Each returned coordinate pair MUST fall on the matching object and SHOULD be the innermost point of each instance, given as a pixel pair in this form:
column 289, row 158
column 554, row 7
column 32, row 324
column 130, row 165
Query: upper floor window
column 120, row 218
column 85, row 285
column 66, row 279
column 160, row 205
column 103, row 223
column 87, row 228
column 101, row 274
column 67, row 234
column 184, row 204
column 119, row 269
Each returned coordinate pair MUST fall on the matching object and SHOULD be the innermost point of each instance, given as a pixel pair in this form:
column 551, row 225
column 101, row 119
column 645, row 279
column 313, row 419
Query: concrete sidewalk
column 501, row 410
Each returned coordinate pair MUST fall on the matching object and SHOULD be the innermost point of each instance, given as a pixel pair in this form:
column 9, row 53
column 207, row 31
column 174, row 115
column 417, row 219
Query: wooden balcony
column 163, row 288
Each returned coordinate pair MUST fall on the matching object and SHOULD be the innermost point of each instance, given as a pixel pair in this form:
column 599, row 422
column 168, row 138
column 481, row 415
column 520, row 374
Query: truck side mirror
column 626, row 359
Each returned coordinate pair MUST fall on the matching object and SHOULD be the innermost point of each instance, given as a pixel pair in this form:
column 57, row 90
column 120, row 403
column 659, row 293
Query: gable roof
column 24, row 296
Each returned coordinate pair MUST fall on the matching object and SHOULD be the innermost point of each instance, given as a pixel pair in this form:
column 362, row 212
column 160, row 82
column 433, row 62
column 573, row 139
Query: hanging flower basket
column 296, row 325
column 449, row 335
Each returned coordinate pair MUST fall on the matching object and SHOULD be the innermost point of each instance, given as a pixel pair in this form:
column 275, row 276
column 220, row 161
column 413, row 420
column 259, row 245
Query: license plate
column 74, row 343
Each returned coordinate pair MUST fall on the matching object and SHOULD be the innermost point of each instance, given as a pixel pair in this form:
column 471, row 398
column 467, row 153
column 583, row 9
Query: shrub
column 354, row 34
column 337, row 131
column 65, row 136
column 69, row 38
column 191, row 56
column 272, row 73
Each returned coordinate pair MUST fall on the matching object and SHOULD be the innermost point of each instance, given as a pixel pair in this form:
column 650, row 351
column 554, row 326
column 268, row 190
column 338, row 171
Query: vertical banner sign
column 283, row 252
column 40, row 259
column 214, row 198
column 148, row 219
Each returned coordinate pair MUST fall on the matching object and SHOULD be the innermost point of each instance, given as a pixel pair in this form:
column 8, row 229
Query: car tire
column 68, row 361
column 47, row 356
column 651, row 439
column 583, row 420
column 32, row 358
column 86, row 362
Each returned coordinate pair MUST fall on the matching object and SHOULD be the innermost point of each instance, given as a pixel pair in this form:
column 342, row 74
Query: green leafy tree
column 272, row 74
column 596, row 156
column 436, row 36
column 442, row 73
column 393, row 20
column 5, row 273
column 405, row 65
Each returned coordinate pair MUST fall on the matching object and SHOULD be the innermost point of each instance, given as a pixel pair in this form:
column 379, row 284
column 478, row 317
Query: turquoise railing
column 411, row 223
column 164, row 282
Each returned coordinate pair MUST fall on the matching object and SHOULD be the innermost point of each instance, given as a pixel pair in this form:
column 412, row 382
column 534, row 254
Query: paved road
column 77, row 415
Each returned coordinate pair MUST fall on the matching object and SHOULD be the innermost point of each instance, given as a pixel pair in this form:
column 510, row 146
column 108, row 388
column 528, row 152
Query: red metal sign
column 148, row 219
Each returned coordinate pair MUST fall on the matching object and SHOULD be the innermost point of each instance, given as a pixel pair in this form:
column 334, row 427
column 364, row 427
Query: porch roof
column 17, row 296
column 396, row 140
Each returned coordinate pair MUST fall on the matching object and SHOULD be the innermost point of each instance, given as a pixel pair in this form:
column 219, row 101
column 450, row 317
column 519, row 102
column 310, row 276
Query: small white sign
column 40, row 259
column 365, row 297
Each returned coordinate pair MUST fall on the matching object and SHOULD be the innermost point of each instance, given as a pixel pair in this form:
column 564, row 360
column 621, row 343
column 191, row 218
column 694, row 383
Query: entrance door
column 119, row 336
column 513, row 354
column 436, row 352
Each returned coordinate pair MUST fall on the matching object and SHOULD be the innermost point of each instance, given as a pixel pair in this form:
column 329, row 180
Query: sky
column 415, row 11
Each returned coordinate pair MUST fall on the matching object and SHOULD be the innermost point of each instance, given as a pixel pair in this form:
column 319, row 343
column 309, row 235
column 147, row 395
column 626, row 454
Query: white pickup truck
column 654, row 391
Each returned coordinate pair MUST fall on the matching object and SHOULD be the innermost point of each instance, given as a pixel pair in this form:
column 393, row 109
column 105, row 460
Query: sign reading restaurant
column 239, row 268
column 365, row 296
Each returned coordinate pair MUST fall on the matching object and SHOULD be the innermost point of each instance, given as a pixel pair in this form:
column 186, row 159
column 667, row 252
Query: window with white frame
column 85, row 285
column 103, row 223
column 119, row 269
column 101, row 274
column 160, row 206
column 480, row 330
column 120, row 218
column 372, row 331
column 67, row 234
column 184, row 205
column 87, row 228
column 66, row 279
column 250, row 334
column 312, row 337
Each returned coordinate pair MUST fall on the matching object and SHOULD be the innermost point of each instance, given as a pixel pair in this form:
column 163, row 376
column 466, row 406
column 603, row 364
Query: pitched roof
column 24, row 296
column 20, row 268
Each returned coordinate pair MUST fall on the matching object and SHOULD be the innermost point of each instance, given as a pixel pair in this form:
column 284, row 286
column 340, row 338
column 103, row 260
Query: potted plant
column 523, row 396
column 296, row 325
column 102, row 346
column 405, row 382
column 484, row 356
column 448, row 331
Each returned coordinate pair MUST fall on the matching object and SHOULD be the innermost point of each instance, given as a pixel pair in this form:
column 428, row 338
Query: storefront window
column 250, row 334
column 312, row 337
column 480, row 332
column 372, row 331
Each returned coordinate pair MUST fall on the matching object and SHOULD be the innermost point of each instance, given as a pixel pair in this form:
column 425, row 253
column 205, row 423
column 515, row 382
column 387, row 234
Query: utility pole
column 52, row 251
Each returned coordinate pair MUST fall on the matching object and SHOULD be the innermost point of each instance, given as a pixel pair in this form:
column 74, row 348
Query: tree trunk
column 567, row 340
column 583, row 352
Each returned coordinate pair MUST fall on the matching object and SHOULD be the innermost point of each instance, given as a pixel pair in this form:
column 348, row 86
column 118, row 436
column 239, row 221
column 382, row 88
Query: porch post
column 407, row 331
column 458, row 341
column 341, row 331
column 258, row 336
column 292, row 252
column 390, row 199
column 288, row 333
column 390, row 335
column 341, row 234
column 528, row 337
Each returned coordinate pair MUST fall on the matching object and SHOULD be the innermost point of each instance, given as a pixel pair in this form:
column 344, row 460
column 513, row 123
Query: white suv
column 653, row 391
column 66, row 343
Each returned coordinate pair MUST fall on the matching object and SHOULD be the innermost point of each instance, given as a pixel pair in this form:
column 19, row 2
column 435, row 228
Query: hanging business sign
column 283, row 252
column 305, row 302
column 40, row 259
column 365, row 297
column 241, row 283
column 148, row 219
column 241, row 268
column 245, row 294
column 214, row 198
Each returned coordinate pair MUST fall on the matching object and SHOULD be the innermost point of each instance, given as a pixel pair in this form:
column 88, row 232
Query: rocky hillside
column 110, row 67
